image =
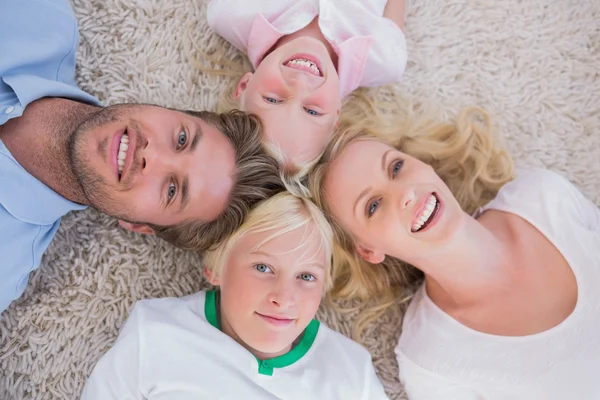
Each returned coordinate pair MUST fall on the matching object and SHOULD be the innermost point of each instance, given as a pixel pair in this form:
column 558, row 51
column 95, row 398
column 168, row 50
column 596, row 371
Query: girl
column 255, row 337
column 307, row 55
column 509, row 305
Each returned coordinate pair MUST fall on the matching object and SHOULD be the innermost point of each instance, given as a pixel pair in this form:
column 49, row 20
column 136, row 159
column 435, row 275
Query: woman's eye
column 262, row 268
column 312, row 112
column 181, row 139
column 307, row 277
column 372, row 207
column 271, row 100
column 397, row 167
column 171, row 191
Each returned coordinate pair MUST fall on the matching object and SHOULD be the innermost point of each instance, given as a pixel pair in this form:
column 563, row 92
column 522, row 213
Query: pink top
column 371, row 49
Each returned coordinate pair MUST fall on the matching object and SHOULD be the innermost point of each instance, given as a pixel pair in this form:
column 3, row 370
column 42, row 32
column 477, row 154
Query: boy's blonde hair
column 464, row 154
column 278, row 215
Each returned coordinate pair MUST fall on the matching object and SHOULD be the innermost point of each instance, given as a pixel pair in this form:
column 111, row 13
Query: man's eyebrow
column 197, row 136
column 185, row 197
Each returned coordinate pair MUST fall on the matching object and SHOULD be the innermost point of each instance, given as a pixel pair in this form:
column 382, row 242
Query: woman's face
column 391, row 203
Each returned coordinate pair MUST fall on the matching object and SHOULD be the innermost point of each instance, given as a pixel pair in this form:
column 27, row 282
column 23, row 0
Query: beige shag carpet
column 532, row 63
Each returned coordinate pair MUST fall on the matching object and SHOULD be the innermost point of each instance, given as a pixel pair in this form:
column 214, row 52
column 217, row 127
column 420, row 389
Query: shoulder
column 536, row 187
column 169, row 312
column 335, row 346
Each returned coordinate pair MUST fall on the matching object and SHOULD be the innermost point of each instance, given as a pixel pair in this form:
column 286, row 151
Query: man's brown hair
column 256, row 178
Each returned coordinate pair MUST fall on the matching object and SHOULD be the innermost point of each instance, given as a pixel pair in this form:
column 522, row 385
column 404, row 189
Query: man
column 190, row 177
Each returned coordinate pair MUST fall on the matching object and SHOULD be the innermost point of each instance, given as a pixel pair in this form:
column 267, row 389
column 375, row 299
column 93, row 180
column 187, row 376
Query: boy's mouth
column 276, row 320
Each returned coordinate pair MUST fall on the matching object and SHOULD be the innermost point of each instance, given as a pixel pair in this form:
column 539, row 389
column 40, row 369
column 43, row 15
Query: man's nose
column 155, row 160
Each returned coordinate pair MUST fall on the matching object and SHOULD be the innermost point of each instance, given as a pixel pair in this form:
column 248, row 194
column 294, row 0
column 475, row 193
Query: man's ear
column 139, row 228
column 241, row 86
column 370, row 256
column 213, row 279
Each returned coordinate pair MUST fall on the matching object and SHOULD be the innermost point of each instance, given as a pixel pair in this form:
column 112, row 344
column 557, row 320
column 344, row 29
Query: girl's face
column 391, row 203
column 295, row 91
column 271, row 291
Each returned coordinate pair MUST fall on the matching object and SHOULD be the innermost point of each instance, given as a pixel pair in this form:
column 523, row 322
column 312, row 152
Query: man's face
column 153, row 165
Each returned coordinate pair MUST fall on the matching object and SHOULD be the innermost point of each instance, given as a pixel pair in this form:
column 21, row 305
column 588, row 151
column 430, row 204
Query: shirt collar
column 265, row 367
column 26, row 198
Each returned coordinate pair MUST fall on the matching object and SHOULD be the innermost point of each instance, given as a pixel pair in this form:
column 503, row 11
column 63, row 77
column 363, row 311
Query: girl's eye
column 171, row 191
column 312, row 112
column 307, row 277
column 262, row 268
column 181, row 139
column 372, row 207
column 397, row 167
column 271, row 100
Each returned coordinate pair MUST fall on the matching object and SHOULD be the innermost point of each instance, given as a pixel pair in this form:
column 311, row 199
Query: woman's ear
column 212, row 278
column 139, row 228
column 369, row 255
column 242, row 85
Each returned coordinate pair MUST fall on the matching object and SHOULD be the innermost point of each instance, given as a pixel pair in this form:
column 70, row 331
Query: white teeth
column 122, row 153
column 425, row 214
column 305, row 63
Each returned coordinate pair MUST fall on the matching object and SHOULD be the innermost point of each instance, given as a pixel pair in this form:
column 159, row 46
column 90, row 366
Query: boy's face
column 295, row 91
column 271, row 293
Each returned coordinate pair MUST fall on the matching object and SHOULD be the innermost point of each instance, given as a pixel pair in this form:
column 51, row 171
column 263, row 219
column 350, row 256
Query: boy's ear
column 369, row 255
column 213, row 279
column 139, row 228
column 241, row 86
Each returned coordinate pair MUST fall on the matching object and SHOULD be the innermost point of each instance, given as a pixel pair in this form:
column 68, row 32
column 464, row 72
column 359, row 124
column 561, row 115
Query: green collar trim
column 266, row 367
column 210, row 308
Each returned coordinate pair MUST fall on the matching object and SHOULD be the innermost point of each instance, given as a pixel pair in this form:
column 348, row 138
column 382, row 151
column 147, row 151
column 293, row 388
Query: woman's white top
column 173, row 349
column 439, row 358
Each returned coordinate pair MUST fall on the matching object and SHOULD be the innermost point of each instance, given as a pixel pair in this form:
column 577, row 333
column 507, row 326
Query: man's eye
column 397, row 167
column 307, row 277
column 181, row 139
column 171, row 191
column 311, row 111
column 372, row 207
column 271, row 100
column 262, row 268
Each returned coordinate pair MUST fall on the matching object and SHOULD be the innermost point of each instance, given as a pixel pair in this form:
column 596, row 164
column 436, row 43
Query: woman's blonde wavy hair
column 278, row 215
column 463, row 153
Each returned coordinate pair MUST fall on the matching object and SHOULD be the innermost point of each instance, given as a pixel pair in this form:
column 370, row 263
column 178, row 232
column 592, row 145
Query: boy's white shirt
column 168, row 349
column 371, row 49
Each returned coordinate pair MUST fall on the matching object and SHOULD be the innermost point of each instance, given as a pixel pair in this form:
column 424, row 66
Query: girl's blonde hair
column 464, row 154
column 278, row 215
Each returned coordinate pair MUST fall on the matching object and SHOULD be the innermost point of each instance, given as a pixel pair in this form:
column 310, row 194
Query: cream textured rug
column 532, row 63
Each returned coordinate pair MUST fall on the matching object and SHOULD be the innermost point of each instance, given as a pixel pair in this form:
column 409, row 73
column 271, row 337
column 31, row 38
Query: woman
column 508, row 308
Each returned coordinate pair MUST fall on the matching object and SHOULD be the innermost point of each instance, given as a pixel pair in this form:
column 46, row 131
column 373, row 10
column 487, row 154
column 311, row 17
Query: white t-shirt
column 172, row 349
column 439, row 358
column 371, row 49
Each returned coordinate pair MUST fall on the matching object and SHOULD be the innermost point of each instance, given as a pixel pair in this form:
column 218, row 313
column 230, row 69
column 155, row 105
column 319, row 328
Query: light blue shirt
column 37, row 59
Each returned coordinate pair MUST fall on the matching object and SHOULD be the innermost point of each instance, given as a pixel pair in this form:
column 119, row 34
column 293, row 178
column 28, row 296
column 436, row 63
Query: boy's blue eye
column 262, row 268
column 312, row 112
column 271, row 100
column 307, row 277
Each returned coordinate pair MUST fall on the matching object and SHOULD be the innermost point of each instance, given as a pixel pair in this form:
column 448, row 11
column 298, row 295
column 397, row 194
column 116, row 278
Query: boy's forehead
column 300, row 246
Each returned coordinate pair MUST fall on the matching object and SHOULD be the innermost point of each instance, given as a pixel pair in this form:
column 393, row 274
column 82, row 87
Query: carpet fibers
column 532, row 63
